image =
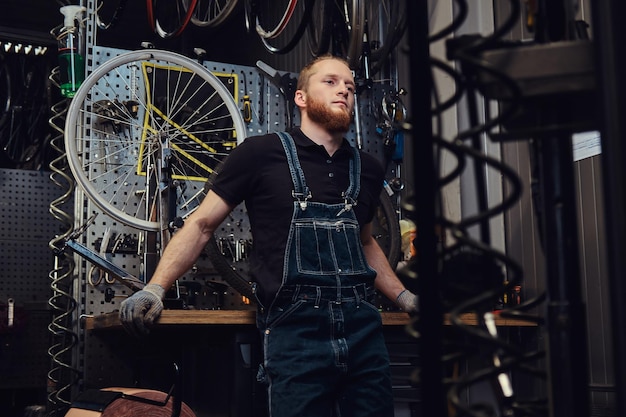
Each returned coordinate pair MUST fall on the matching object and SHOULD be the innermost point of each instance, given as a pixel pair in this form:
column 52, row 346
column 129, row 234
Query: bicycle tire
column 387, row 23
column 139, row 109
column 105, row 24
column 348, row 25
column 318, row 30
column 212, row 13
column 25, row 127
column 386, row 231
column 291, row 35
column 168, row 24
column 356, row 28
column 5, row 92
column 278, row 27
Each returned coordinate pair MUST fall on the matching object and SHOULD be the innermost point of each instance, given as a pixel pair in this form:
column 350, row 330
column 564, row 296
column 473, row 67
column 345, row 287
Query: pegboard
column 201, row 287
column 26, row 227
column 101, row 295
column 269, row 114
column 25, row 362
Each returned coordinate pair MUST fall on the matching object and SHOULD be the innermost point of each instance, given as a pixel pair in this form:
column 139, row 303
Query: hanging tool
column 262, row 99
column 286, row 84
column 246, row 110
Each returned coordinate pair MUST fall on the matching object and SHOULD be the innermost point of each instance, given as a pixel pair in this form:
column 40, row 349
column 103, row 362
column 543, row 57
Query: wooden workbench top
column 247, row 317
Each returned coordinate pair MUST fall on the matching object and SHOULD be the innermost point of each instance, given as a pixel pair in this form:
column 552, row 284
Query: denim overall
column 324, row 351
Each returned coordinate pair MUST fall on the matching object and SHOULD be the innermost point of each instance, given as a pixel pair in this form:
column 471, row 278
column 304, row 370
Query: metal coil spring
column 62, row 375
column 470, row 271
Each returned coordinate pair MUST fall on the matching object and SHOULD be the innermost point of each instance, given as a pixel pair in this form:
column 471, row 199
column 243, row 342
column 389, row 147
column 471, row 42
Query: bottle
column 71, row 62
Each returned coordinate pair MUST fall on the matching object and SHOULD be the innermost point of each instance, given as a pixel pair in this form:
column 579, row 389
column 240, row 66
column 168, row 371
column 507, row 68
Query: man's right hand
column 139, row 311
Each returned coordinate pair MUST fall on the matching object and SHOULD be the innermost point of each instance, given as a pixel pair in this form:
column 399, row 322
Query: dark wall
column 32, row 21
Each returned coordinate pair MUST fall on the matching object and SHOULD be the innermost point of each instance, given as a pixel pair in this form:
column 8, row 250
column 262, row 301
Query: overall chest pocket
column 329, row 247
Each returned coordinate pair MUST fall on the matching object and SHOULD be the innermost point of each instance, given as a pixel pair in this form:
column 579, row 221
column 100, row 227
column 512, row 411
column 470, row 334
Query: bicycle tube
column 176, row 22
column 139, row 115
column 297, row 33
column 212, row 13
column 386, row 231
column 280, row 25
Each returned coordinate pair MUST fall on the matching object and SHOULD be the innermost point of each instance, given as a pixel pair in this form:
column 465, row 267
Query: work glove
column 139, row 311
column 407, row 301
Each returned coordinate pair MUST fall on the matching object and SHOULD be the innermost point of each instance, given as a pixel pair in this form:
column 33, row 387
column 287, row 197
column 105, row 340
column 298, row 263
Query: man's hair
column 307, row 70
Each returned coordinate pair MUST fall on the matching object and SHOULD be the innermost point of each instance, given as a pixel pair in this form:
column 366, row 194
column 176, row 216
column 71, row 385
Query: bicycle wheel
column 211, row 13
column 386, row 25
column 386, row 229
column 144, row 132
column 348, row 28
column 169, row 18
column 228, row 248
column 319, row 28
column 272, row 17
column 292, row 33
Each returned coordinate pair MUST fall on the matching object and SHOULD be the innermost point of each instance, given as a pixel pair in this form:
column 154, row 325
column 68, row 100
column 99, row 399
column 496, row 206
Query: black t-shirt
column 257, row 172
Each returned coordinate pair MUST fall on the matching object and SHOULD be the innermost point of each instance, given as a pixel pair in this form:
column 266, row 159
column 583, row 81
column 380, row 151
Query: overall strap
column 355, row 176
column 301, row 192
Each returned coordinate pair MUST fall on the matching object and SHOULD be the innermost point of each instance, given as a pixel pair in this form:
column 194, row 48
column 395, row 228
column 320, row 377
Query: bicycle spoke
column 144, row 117
column 212, row 13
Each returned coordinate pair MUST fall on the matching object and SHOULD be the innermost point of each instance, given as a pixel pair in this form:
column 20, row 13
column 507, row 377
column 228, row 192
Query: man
column 310, row 198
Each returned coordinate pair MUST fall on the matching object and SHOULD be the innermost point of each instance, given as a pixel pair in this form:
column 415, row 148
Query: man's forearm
column 387, row 281
column 180, row 254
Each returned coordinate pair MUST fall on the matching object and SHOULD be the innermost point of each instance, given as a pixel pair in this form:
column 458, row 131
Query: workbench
column 247, row 317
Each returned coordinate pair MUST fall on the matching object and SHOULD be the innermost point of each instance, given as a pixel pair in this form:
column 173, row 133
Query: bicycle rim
column 212, row 13
column 232, row 264
column 348, row 34
column 387, row 23
column 272, row 19
column 145, row 117
column 169, row 18
column 320, row 28
column 293, row 32
column 386, row 229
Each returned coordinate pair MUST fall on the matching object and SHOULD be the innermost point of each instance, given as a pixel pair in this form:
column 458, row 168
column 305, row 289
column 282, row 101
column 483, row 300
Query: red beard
column 332, row 120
